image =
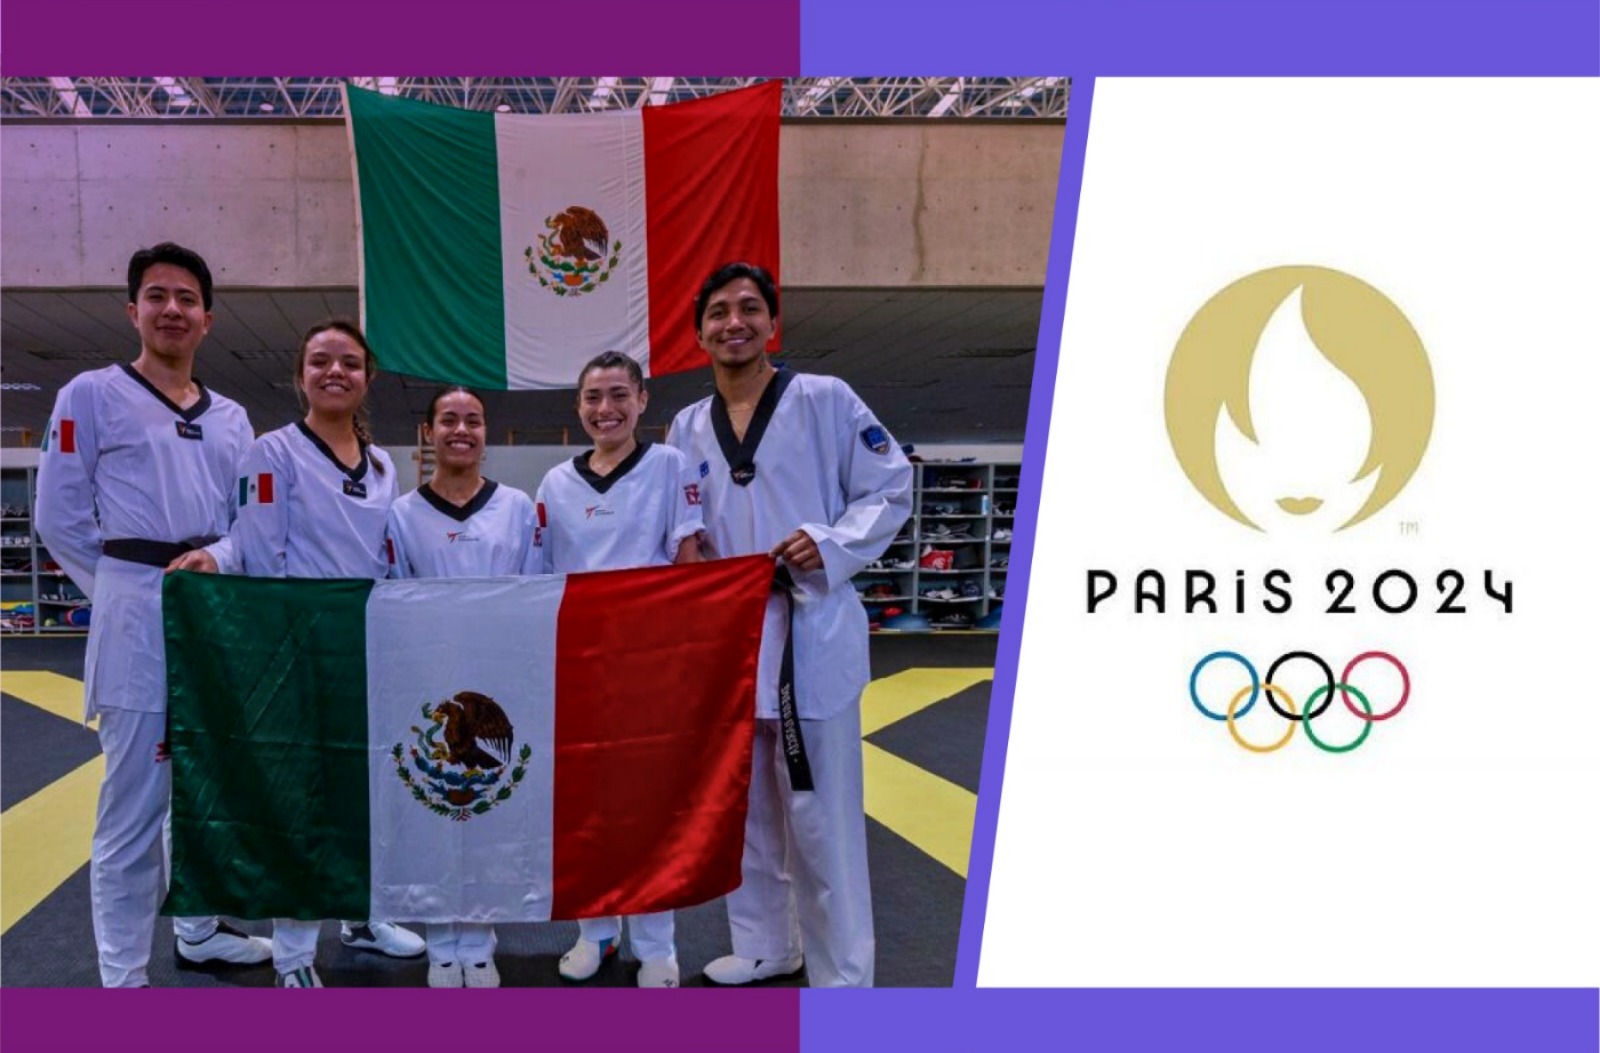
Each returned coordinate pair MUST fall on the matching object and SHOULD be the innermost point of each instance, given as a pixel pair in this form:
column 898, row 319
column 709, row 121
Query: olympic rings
column 1284, row 705
column 1194, row 683
column 1252, row 747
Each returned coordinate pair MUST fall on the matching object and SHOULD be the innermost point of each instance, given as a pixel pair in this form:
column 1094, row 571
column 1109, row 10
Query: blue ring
column 1194, row 684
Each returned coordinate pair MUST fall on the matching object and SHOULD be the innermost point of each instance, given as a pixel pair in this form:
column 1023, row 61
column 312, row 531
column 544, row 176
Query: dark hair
column 729, row 273
column 178, row 256
column 361, row 422
column 455, row 389
column 613, row 360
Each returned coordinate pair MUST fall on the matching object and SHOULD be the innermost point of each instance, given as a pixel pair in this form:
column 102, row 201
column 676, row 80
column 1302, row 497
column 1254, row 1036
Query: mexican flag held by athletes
column 503, row 251
column 492, row 749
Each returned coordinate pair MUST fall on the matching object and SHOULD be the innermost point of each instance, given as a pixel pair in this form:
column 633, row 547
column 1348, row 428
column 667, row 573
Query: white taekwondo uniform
column 813, row 458
column 303, row 514
column 123, row 465
column 489, row 536
column 636, row 516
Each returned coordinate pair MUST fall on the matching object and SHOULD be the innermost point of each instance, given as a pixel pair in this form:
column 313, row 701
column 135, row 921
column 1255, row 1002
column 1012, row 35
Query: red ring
column 1405, row 680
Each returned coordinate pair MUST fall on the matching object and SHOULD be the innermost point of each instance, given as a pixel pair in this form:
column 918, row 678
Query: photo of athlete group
column 147, row 472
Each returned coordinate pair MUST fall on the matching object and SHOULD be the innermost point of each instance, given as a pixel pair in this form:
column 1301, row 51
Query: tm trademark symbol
column 1410, row 526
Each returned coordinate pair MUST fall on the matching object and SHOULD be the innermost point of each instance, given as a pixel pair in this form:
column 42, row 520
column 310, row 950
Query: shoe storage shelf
column 36, row 596
column 947, row 569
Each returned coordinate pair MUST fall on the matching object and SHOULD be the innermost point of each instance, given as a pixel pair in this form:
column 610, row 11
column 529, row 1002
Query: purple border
column 1041, row 398
column 1240, row 1021
column 392, row 1020
column 1171, row 38
column 341, row 38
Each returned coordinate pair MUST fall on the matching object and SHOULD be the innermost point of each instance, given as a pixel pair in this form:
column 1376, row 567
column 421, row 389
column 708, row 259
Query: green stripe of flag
column 429, row 192
column 279, row 771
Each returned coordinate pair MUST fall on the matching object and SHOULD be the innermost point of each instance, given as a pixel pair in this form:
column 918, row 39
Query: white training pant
column 294, row 943
column 128, row 857
column 650, row 934
column 805, row 857
column 468, row 942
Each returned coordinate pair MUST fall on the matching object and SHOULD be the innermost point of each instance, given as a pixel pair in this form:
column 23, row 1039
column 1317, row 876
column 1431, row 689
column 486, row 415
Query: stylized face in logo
column 1286, row 458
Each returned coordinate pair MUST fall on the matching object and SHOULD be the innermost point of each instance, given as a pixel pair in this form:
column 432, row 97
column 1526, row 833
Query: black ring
column 1327, row 699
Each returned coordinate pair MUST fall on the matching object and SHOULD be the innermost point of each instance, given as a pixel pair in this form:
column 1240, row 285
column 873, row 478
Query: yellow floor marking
column 932, row 813
column 51, row 692
column 46, row 839
column 897, row 697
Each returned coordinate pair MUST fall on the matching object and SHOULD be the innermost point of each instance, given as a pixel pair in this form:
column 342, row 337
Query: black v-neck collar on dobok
column 602, row 483
column 460, row 513
column 741, row 456
column 355, row 473
column 189, row 415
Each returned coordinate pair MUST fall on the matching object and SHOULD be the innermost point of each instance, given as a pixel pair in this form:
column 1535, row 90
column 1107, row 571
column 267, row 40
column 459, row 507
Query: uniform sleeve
column 685, row 518
column 261, row 533
column 223, row 550
column 394, row 548
column 876, row 479
column 542, row 556
column 64, row 505
column 530, row 538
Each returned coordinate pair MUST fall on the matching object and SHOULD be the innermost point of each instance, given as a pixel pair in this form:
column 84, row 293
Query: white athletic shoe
column 732, row 970
column 383, row 937
column 660, row 972
column 228, row 945
column 484, row 974
column 305, row 976
column 444, row 974
column 583, row 961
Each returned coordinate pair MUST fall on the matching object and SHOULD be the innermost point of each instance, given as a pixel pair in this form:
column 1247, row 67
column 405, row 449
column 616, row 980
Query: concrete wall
column 862, row 204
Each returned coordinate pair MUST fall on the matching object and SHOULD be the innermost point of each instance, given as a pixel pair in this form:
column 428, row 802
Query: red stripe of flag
column 69, row 437
column 711, row 197
column 264, row 488
column 653, row 729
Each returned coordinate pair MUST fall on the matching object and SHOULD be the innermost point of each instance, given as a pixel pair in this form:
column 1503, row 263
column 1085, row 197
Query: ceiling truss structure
column 299, row 98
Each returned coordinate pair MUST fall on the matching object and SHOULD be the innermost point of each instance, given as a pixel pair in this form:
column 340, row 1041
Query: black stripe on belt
column 151, row 553
column 794, row 745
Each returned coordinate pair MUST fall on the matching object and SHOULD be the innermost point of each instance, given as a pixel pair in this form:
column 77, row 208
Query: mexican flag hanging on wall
column 504, row 251
column 506, row 749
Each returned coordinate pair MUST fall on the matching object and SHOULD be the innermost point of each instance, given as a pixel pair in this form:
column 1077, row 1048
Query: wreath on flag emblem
column 575, row 253
column 459, row 764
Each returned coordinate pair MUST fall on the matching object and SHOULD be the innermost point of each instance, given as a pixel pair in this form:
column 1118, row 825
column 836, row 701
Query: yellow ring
column 1283, row 696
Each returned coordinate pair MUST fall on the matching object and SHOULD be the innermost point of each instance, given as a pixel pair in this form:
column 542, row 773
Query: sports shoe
column 483, row 974
column 384, row 937
column 305, row 976
column 660, row 972
column 226, row 945
column 1002, row 534
column 444, row 974
column 732, row 970
column 583, row 961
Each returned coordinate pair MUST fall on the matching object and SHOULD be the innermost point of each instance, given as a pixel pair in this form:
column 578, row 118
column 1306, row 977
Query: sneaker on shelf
column 1000, row 561
column 305, row 976
column 733, row 971
column 225, row 946
column 938, row 532
column 937, row 558
column 971, row 589
column 898, row 564
column 583, row 960
column 1002, row 534
column 952, row 620
column 385, row 937
column 940, row 593
column 481, row 974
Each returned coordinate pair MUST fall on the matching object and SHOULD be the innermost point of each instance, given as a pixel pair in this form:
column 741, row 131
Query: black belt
column 151, row 553
column 794, row 745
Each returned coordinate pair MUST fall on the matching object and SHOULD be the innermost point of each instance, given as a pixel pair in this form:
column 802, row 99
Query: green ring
column 1366, row 726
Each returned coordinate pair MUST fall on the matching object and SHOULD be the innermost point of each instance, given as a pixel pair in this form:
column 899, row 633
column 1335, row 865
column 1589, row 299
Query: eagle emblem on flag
column 573, row 256
column 459, row 764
